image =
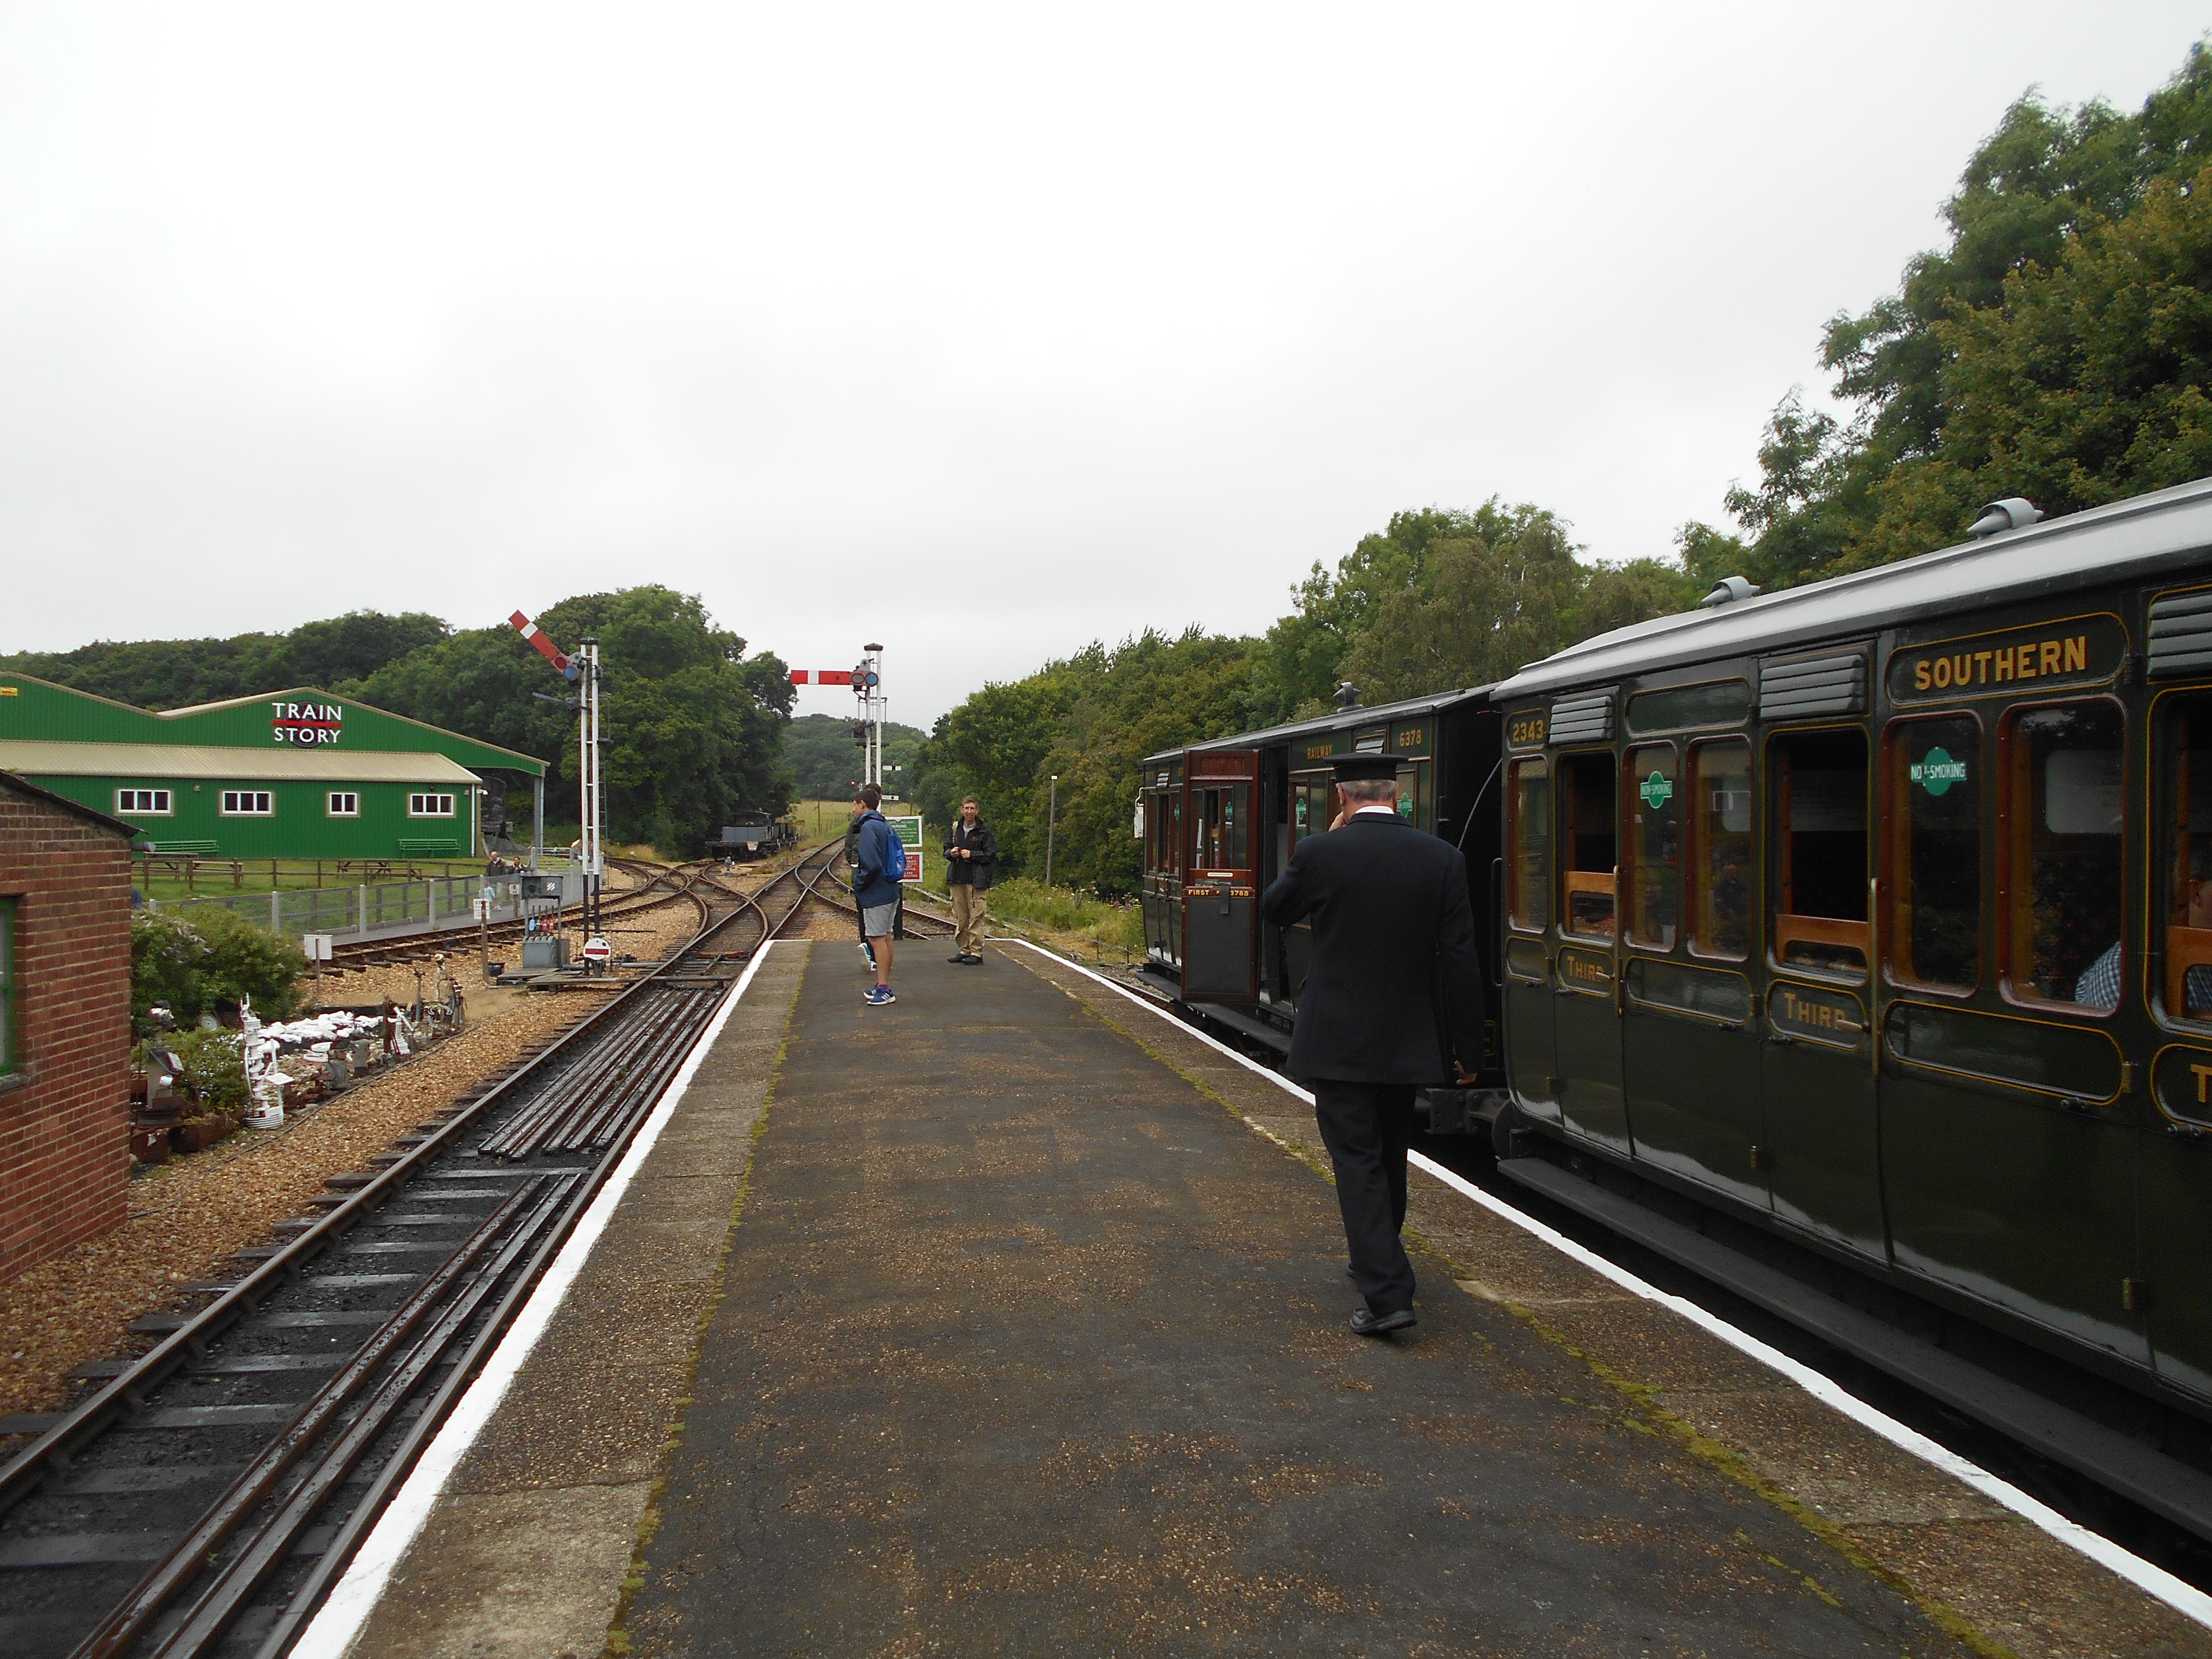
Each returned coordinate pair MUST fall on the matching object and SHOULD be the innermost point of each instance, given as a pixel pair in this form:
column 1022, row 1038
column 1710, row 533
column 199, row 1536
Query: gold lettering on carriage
column 1834, row 1017
column 2008, row 661
column 1583, row 970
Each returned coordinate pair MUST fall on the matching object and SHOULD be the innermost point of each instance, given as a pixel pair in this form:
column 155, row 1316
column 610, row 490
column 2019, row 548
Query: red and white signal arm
column 596, row 948
column 820, row 677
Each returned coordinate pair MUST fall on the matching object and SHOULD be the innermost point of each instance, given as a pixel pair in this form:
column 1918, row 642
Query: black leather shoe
column 973, row 962
column 1365, row 1321
column 956, row 958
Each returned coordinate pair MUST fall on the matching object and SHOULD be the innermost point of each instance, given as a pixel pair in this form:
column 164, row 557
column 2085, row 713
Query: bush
column 1066, row 910
column 215, row 1071
column 193, row 959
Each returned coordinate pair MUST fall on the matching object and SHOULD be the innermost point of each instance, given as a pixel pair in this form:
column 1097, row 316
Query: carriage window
column 2184, row 901
column 1586, row 846
column 1310, row 813
column 1818, row 824
column 1529, row 803
column 1655, row 846
column 1720, row 831
column 1222, row 832
column 1414, row 805
column 2061, row 884
column 1175, row 833
column 1934, row 862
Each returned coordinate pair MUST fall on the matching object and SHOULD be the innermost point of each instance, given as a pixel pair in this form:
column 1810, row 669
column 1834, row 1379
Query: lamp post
column 1051, row 813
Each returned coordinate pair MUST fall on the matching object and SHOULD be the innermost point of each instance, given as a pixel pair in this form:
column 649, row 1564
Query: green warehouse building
column 297, row 774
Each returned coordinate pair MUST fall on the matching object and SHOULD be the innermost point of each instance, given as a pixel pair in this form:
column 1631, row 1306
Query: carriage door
column 1220, row 889
column 1585, row 1010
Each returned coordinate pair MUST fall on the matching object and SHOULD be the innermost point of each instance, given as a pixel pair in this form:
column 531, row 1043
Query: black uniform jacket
column 1392, row 932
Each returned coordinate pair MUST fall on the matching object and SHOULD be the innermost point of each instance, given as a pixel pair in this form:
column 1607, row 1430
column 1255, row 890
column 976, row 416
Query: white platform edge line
column 2152, row 1579
column 339, row 1620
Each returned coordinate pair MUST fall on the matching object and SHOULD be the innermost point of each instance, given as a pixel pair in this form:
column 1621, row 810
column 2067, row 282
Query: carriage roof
column 2142, row 538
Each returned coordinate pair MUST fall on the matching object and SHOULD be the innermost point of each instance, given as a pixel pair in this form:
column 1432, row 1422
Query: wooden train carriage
column 1220, row 821
column 1880, row 911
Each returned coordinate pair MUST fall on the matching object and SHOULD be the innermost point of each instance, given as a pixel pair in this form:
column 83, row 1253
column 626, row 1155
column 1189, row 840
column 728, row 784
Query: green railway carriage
column 1880, row 912
column 1220, row 821
column 297, row 774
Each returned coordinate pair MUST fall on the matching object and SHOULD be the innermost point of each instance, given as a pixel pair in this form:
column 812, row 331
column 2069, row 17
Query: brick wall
column 64, row 1113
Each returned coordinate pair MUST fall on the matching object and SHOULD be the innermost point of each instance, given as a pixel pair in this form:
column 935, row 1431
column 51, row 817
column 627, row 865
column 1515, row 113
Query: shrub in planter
column 214, row 1073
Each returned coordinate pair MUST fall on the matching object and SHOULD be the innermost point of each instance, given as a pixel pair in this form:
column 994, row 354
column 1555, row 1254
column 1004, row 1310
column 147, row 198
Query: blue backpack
column 894, row 854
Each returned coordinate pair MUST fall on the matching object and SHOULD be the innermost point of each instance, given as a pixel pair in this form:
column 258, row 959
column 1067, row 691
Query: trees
column 693, row 727
column 824, row 761
column 176, row 674
column 2052, row 349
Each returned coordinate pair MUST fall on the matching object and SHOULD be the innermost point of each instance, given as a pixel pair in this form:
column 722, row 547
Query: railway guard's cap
column 1367, row 768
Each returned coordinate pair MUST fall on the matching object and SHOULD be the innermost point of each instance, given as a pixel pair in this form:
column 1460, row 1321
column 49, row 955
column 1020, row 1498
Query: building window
column 143, row 802
column 248, row 804
column 429, row 806
column 1530, row 833
column 1818, row 828
column 345, row 804
column 1720, row 849
column 1935, row 852
column 9, row 1059
column 1655, row 846
column 2060, row 883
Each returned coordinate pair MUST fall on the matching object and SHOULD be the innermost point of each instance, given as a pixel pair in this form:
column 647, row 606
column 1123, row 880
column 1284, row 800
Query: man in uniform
column 1393, row 934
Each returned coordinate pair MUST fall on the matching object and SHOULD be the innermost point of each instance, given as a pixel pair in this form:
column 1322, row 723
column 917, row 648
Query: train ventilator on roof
column 2013, row 512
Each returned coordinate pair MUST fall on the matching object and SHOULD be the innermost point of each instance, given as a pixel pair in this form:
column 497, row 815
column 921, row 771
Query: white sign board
column 909, row 835
column 316, row 947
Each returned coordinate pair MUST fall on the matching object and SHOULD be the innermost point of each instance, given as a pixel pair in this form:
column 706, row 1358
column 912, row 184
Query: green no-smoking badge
column 1657, row 790
column 1938, row 772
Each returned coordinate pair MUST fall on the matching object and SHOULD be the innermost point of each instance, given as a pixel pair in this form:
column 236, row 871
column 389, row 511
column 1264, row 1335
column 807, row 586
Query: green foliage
column 175, row 673
column 166, row 951
column 693, row 727
column 824, row 760
column 195, row 958
column 1091, row 719
column 215, row 1068
column 2054, row 349
column 1062, row 910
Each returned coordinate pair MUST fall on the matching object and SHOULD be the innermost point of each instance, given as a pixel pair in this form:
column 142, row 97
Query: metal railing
column 368, row 907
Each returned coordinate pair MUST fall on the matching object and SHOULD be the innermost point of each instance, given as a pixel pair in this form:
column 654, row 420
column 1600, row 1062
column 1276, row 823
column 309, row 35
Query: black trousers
column 1367, row 1127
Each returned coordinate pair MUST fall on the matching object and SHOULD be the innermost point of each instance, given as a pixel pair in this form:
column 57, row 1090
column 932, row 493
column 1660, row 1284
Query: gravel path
column 189, row 1215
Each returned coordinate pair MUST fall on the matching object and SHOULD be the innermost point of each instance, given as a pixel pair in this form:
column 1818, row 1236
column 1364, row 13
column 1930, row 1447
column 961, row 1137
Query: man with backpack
column 878, row 868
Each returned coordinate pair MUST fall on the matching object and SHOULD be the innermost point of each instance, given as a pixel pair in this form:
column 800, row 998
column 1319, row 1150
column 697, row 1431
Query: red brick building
column 64, row 1023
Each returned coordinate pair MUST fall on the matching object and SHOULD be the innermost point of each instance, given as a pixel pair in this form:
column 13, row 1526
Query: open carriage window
column 1817, row 825
column 1720, row 840
column 1528, row 802
column 1655, row 846
column 1222, row 834
column 2182, row 905
column 1586, row 844
column 2061, row 848
column 1935, row 865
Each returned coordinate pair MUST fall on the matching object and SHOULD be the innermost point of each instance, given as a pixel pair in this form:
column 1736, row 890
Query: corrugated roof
column 2167, row 533
column 38, row 757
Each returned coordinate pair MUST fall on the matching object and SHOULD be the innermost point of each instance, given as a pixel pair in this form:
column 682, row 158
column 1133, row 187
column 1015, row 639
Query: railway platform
column 1011, row 1319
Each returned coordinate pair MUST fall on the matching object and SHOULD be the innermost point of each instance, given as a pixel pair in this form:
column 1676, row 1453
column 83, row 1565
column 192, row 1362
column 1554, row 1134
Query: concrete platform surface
column 1026, row 1346
column 987, row 1324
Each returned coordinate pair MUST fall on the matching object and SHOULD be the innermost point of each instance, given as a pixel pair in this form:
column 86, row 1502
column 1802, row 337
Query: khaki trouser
column 969, row 909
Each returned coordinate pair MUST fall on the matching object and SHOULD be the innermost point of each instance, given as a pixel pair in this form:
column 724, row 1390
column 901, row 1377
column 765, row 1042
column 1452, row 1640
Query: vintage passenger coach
column 1880, row 910
column 1876, row 913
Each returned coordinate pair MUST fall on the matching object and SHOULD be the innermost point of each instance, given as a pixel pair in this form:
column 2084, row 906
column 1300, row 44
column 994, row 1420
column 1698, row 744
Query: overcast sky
column 982, row 331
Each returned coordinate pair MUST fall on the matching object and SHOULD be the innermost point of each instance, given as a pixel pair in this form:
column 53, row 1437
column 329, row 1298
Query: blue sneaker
column 880, row 996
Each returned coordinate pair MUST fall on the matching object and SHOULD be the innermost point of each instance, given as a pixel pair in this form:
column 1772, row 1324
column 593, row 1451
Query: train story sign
column 306, row 724
column 2077, row 651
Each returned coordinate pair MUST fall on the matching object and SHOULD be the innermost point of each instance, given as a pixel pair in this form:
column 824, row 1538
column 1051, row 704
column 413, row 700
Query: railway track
column 202, row 1499
column 661, row 885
